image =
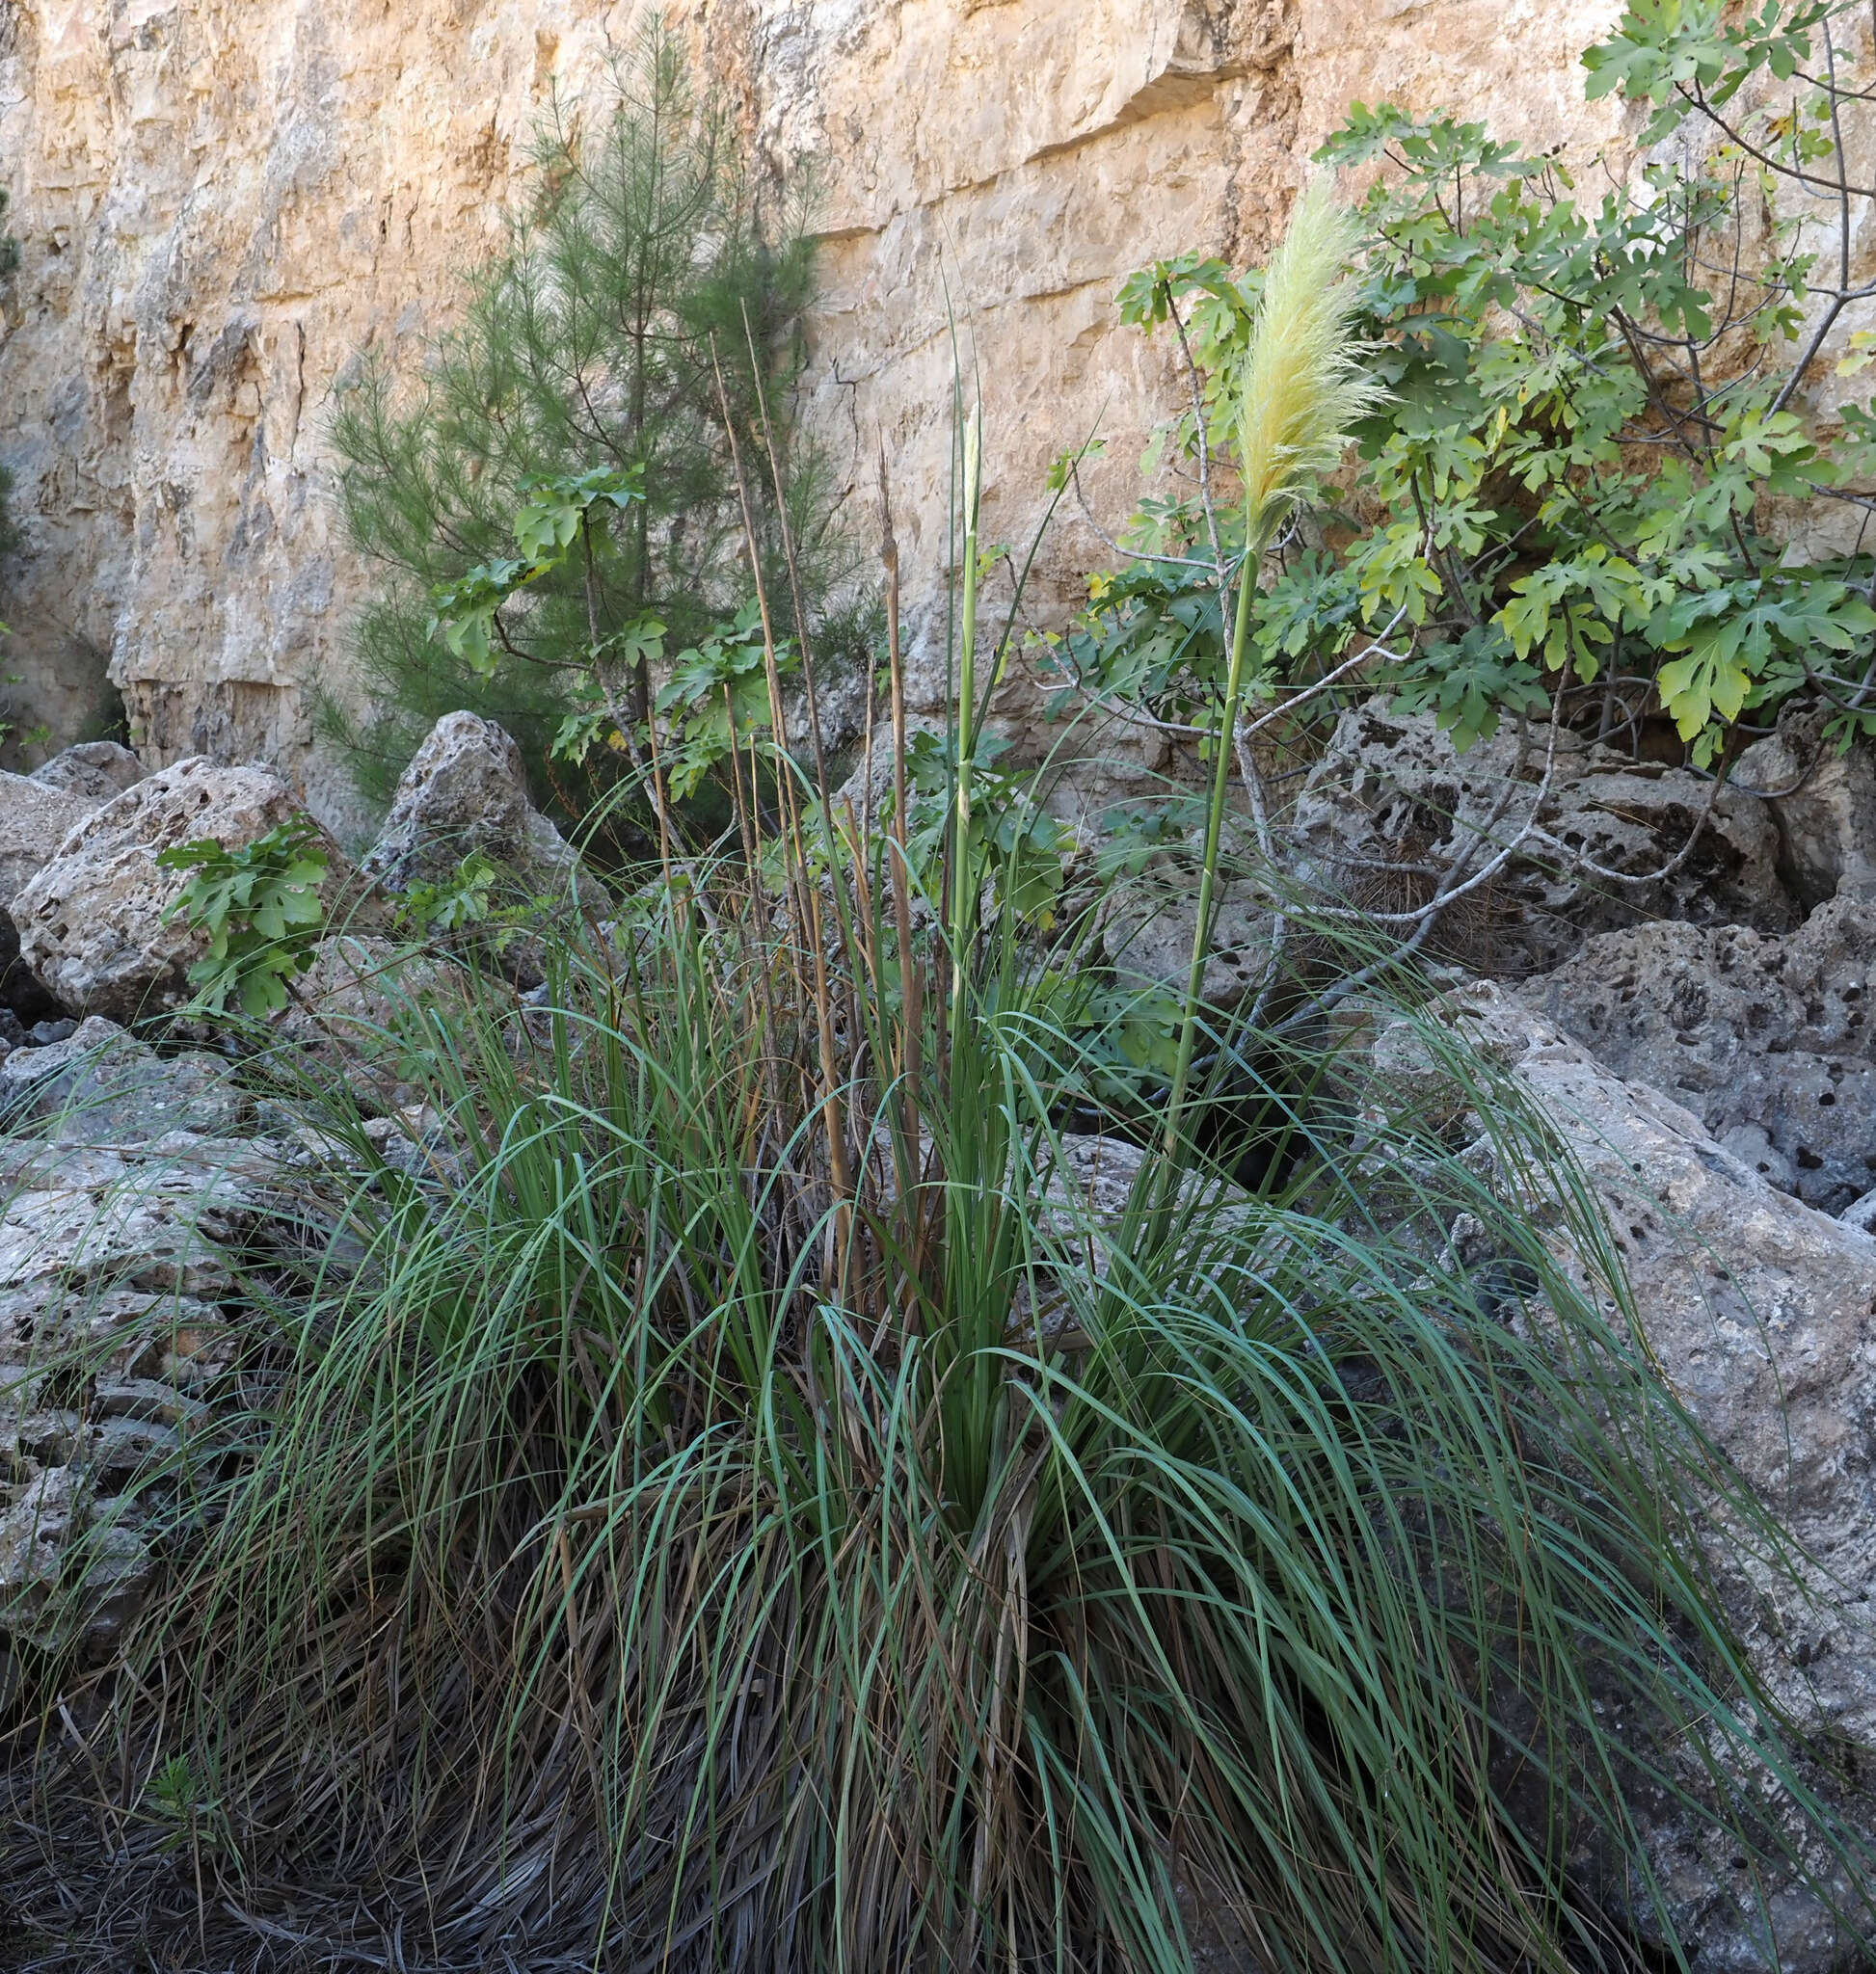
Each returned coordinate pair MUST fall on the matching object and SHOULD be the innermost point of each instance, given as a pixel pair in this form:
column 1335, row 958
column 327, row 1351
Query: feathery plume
column 1304, row 389
column 1303, row 384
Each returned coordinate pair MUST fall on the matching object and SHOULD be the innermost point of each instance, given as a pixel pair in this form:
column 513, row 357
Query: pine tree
column 642, row 271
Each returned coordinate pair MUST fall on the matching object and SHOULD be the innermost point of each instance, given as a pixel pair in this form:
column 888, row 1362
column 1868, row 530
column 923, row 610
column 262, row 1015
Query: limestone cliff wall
column 221, row 202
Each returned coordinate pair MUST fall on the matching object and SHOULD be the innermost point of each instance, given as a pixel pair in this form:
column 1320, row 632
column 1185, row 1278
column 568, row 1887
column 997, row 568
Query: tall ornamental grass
column 648, row 1554
column 1305, row 391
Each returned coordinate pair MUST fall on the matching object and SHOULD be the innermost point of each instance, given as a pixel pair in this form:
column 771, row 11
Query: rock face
column 1761, row 1314
column 1391, row 802
column 219, row 204
column 465, row 793
column 92, row 923
column 1771, row 1042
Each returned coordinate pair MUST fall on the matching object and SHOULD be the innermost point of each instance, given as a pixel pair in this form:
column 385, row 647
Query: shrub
column 1603, row 416
column 260, row 908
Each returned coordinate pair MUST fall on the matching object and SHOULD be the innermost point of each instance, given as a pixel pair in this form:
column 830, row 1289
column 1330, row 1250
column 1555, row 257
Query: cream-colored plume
column 1304, row 386
column 1304, row 389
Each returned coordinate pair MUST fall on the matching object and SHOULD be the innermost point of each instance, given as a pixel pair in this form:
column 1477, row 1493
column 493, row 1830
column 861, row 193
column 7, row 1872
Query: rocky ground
column 1683, row 985
column 133, row 1176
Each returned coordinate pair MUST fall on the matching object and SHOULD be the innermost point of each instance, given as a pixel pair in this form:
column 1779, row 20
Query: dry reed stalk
column 748, row 828
column 824, row 786
column 911, row 975
column 793, row 860
column 829, row 1102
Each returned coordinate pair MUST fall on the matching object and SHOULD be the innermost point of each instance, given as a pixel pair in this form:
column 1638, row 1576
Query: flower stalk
column 963, row 892
column 1303, row 392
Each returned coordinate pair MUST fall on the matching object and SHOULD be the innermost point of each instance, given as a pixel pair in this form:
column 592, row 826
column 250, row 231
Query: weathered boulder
column 72, row 1562
column 1770, row 1041
column 1822, row 800
column 1147, row 936
column 93, row 923
column 1760, row 1314
column 112, row 1264
column 94, row 1217
column 35, row 1079
column 34, row 819
column 104, row 1088
column 1392, row 802
column 93, row 770
column 465, row 793
column 157, row 1338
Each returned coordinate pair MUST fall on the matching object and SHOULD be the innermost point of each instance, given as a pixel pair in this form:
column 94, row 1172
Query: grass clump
column 647, row 1550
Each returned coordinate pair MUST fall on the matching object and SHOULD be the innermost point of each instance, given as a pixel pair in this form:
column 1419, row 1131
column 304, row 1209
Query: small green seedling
column 176, row 1798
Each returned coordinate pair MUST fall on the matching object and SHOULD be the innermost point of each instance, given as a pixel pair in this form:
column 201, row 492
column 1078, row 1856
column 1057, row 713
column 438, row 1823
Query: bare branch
column 1456, row 884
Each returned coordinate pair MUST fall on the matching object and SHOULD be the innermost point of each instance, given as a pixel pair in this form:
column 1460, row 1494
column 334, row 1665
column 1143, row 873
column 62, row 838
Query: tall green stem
column 963, row 898
column 1209, row 869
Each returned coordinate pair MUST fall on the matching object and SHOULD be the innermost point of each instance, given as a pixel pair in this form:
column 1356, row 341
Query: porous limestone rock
column 174, row 332
column 1770, row 1041
column 33, row 1082
column 1151, row 947
column 95, row 923
column 1391, row 801
column 362, row 1004
column 72, row 1563
column 111, row 1263
column 1822, row 798
column 93, row 1218
column 34, row 819
column 1760, row 1313
column 1095, row 1175
column 465, row 793
column 177, row 1343
column 93, row 770
column 102, row 1086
